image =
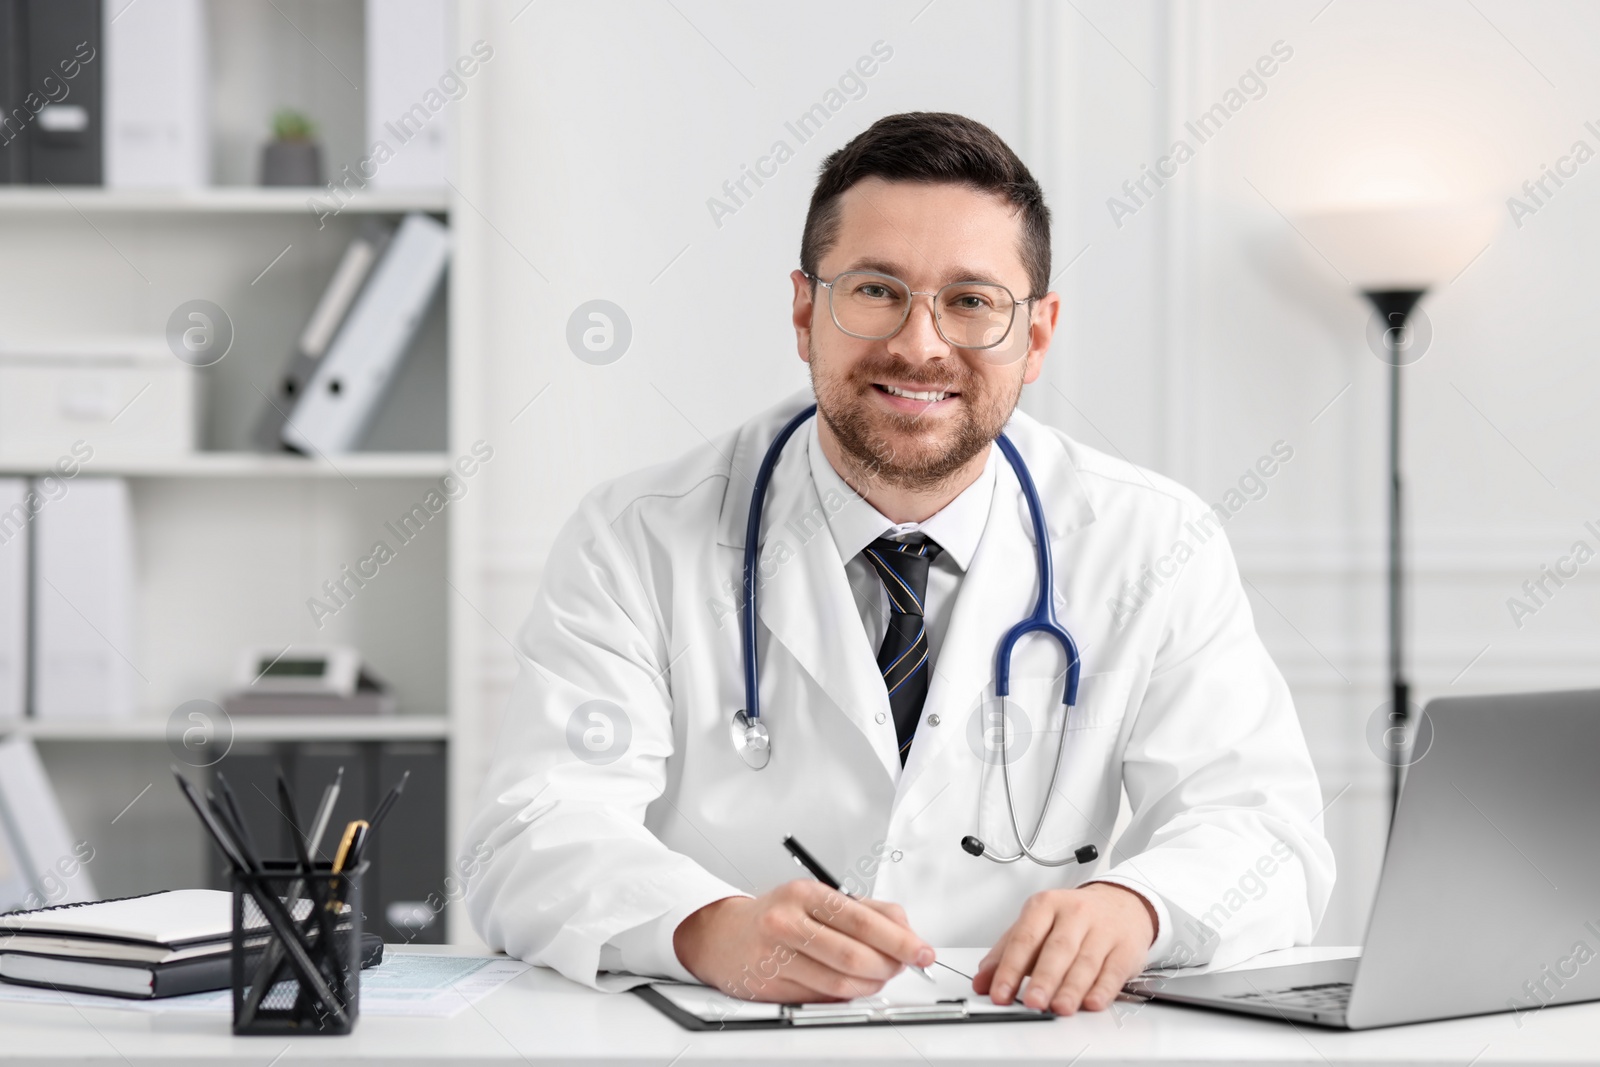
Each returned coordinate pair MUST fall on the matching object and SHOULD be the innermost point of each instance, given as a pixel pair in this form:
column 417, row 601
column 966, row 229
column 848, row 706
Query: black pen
column 820, row 873
column 388, row 802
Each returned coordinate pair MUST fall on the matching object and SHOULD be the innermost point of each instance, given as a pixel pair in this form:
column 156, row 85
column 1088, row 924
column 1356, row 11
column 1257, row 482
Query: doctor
column 622, row 832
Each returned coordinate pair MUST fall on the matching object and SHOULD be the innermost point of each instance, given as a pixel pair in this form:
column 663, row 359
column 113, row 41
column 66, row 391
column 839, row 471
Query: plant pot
column 291, row 163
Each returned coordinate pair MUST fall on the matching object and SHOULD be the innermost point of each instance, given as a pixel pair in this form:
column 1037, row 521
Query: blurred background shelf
column 233, row 548
column 265, row 728
column 249, row 465
column 242, row 200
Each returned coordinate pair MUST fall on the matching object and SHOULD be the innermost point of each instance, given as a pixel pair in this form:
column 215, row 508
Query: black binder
column 52, row 108
column 408, row 858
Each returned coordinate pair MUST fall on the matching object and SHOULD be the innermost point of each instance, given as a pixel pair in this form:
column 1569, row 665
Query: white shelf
column 262, row 728
column 248, row 465
column 241, row 200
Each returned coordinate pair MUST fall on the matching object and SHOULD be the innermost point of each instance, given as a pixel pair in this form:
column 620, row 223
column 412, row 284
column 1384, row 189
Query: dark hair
column 931, row 146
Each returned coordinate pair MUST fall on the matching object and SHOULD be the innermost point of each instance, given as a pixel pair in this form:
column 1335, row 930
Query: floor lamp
column 1394, row 307
column 1392, row 256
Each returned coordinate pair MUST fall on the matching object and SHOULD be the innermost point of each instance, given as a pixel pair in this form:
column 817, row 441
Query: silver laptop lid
column 1489, row 898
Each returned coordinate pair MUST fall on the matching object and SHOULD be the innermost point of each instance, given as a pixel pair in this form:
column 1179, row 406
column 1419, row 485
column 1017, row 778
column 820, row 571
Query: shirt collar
column 855, row 524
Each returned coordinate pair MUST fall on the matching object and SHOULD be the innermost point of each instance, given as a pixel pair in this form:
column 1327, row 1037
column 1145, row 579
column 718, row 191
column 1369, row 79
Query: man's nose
column 918, row 340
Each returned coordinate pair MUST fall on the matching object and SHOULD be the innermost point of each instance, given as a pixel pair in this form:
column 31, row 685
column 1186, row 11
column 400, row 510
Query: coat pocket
column 1102, row 699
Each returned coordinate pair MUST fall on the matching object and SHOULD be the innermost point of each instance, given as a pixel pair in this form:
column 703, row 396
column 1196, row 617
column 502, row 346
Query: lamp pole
column 1395, row 307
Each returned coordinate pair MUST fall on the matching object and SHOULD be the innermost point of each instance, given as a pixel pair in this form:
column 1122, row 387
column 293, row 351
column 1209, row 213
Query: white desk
column 542, row 1019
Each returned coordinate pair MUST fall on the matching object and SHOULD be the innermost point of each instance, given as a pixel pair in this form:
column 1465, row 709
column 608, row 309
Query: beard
column 903, row 450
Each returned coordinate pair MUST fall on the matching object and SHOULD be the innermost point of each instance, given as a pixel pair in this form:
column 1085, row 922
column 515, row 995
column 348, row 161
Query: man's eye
column 874, row 292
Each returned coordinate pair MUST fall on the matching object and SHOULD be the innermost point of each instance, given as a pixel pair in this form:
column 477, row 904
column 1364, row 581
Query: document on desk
column 404, row 984
column 906, row 998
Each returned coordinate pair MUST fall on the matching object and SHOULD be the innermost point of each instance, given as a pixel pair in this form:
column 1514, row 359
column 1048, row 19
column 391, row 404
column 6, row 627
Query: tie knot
column 903, row 567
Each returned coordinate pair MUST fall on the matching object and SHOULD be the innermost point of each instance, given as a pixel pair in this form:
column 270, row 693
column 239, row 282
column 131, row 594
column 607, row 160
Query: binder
column 409, row 45
column 15, row 536
column 251, row 768
column 13, row 88
column 354, row 268
column 83, row 600
column 350, row 382
column 314, row 765
column 409, row 885
column 157, row 126
column 53, row 864
column 53, row 129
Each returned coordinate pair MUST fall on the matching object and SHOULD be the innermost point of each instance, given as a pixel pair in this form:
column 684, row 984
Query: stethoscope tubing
column 1041, row 620
column 752, row 537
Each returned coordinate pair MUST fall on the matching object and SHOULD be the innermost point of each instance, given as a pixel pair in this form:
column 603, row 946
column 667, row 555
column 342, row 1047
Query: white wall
column 1436, row 98
column 1198, row 333
column 588, row 153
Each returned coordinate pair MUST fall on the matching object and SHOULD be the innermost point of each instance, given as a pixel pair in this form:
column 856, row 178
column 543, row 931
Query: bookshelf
column 231, row 543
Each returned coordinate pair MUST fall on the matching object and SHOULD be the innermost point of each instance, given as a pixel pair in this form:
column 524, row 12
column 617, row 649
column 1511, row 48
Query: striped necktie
column 903, row 657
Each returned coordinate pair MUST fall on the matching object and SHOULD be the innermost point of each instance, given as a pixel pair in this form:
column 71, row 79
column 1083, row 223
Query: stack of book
column 157, row 945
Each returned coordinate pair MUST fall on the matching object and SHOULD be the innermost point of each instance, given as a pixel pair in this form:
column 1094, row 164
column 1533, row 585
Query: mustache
column 902, row 373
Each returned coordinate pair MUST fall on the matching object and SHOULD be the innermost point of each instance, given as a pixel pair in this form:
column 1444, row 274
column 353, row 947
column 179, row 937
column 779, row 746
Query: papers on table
column 406, row 984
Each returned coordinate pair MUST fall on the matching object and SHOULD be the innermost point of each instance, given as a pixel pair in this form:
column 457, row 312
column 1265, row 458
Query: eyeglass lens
column 967, row 314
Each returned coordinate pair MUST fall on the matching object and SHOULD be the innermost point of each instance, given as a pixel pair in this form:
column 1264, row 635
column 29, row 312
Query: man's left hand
column 1076, row 947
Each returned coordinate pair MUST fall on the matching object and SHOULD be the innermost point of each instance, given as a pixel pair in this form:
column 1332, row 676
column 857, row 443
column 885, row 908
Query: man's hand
column 800, row 942
column 1075, row 947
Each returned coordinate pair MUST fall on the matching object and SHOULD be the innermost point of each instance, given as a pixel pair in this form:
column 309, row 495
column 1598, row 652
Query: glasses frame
column 933, row 307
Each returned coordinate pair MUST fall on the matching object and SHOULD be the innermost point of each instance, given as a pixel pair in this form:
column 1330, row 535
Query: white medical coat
column 615, row 796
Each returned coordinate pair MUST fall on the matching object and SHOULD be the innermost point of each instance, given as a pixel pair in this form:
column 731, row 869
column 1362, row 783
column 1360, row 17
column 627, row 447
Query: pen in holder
column 296, row 949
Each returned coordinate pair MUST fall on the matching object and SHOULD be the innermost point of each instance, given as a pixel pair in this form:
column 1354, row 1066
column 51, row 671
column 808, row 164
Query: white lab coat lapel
column 998, row 591
column 803, row 598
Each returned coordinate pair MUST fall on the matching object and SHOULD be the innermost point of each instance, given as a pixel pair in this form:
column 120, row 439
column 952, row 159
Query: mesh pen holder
column 296, row 950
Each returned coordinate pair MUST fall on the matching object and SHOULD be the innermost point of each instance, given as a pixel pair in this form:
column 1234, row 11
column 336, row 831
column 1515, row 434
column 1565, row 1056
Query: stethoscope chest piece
column 750, row 740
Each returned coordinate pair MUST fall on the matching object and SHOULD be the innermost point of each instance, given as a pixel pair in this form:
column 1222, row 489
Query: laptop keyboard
column 1328, row 996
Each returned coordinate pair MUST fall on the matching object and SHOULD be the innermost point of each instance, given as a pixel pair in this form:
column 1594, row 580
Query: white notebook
column 176, row 919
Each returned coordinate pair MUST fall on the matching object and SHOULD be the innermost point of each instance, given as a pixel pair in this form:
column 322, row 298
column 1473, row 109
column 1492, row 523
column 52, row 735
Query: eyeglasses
column 875, row 306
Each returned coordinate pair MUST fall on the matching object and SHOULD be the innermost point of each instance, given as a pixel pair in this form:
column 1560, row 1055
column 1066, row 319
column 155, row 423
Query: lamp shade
column 1413, row 246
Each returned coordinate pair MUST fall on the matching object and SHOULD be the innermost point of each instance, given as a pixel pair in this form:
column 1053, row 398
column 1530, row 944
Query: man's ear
column 804, row 306
column 1041, row 328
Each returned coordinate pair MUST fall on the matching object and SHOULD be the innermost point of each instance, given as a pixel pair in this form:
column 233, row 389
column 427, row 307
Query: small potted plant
column 292, row 157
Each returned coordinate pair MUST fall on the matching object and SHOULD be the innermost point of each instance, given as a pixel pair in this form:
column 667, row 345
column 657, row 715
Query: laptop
column 1489, row 898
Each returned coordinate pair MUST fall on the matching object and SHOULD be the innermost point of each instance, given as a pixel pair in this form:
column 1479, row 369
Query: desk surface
column 542, row 1019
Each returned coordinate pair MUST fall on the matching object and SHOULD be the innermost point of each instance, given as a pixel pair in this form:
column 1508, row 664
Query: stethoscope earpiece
column 973, row 847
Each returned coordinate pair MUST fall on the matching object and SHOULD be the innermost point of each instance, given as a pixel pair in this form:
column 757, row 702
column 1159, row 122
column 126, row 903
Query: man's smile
column 914, row 400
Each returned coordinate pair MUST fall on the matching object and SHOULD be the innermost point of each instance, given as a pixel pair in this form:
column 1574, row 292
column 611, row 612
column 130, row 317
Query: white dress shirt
column 956, row 529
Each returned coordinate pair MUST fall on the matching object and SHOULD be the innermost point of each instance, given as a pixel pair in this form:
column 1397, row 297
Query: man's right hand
column 800, row 942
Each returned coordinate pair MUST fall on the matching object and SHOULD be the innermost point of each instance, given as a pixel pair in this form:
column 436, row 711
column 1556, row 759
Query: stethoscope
column 754, row 745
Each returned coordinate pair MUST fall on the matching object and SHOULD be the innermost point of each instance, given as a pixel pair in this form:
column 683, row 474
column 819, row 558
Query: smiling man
column 632, row 820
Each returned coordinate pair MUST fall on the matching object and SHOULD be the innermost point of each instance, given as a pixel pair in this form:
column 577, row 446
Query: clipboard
column 749, row 1015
